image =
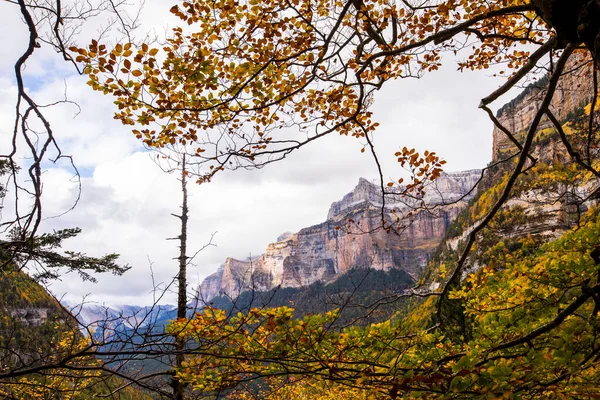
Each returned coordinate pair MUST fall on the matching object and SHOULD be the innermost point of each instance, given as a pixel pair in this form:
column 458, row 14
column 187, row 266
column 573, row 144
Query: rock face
column 30, row 316
column 25, row 303
column 574, row 91
column 30, row 320
column 351, row 237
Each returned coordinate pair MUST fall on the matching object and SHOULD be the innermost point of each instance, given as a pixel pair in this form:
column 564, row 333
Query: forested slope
column 37, row 338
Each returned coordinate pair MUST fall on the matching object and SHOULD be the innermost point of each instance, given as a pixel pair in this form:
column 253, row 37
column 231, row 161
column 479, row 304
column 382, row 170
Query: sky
column 126, row 200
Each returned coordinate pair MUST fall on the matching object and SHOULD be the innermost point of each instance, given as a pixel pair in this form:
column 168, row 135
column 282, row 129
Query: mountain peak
column 364, row 192
column 449, row 187
column 284, row 236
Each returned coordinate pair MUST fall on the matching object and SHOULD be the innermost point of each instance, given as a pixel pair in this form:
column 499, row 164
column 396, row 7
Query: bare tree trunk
column 179, row 387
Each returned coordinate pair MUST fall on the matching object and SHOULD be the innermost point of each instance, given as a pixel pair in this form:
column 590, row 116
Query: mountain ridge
column 351, row 237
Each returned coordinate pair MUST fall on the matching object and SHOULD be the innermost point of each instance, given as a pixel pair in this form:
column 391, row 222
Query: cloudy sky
column 126, row 200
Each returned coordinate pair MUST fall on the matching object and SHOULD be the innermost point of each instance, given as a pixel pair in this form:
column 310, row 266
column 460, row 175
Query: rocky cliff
column 574, row 91
column 351, row 237
column 551, row 198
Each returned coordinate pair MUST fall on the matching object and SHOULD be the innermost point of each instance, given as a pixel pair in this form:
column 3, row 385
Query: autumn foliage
column 524, row 340
column 244, row 83
column 248, row 71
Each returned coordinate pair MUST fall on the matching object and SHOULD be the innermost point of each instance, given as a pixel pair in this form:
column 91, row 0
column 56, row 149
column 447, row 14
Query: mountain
column 552, row 198
column 105, row 319
column 352, row 237
column 575, row 90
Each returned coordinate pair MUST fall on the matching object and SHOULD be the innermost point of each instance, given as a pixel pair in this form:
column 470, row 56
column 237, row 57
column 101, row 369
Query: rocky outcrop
column 30, row 316
column 25, row 303
column 575, row 90
column 363, row 194
column 211, row 285
column 31, row 320
column 352, row 237
column 448, row 188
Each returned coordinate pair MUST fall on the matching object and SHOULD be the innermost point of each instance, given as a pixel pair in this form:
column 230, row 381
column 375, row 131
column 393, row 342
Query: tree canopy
column 235, row 73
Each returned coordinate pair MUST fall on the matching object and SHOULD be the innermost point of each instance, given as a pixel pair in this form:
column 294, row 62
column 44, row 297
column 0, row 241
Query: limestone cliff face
column 574, row 91
column 211, row 285
column 261, row 273
column 363, row 194
column 30, row 316
column 25, row 302
column 350, row 237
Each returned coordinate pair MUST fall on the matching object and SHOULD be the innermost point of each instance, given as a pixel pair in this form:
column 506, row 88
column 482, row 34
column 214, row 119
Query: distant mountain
column 351, row 237
column 106, row 319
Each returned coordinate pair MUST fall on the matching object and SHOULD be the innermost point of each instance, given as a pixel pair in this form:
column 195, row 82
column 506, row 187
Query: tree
column 182, row 300
column 312, row 65
column 183, row 260
column 248, row 72
column 98, row 356
column 244, row 70
column 53, row 25
column 50, row 357
column 22, row 247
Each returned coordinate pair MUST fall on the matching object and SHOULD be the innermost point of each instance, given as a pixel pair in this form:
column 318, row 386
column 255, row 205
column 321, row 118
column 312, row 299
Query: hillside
column 36, row 331
column 28, row 317
column 555, row 198
column 364, row 295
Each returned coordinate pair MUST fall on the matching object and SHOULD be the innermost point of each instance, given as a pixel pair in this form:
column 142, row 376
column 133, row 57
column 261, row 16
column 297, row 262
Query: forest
column 421, row 284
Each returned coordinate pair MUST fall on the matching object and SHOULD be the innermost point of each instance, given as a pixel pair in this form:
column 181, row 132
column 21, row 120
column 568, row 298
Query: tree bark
column 179, row 387
column 575, row 21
